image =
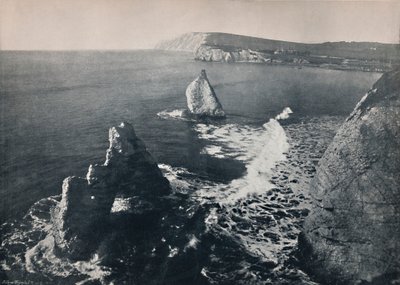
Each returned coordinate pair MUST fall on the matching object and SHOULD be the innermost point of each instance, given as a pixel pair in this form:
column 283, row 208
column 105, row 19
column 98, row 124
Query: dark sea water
column 56, row 108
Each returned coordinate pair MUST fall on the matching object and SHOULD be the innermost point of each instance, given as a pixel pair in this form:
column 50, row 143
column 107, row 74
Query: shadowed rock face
column 353, row 232
column 125, row 214
column 82, row 216
column 201, row 98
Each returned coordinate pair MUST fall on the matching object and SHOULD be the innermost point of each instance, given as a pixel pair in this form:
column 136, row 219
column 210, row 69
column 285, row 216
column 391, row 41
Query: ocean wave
column 259, row 195
column 259, row 147
column 265, row 208
column 270, row 149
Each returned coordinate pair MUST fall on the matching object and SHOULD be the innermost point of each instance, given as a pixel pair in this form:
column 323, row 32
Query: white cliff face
column 201, row 98
column 187, row 42
column 214, row 54
column 207, row 53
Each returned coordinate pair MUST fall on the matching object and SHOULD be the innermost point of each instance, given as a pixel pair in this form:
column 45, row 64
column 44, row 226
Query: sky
column 140, row 24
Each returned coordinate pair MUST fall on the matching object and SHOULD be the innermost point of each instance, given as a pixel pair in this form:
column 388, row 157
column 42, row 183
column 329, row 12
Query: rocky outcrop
column 82, row 215
column 353, row 232
column 201, row 98
column 126, row 216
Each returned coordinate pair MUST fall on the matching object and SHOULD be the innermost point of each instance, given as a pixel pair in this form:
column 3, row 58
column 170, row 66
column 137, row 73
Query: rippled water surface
column 250, row 169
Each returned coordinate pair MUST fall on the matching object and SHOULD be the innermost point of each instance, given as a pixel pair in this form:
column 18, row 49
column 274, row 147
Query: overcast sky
column 140, row 24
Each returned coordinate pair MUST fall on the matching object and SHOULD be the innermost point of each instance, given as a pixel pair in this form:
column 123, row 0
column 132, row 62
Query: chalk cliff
column 82, row 215
column 207, row 53
column 353, row 231
column 223, row 47
column 187, row 42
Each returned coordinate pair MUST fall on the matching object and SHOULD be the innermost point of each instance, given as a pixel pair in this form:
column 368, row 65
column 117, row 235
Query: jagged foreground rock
column 353, row 232
column 161, row 238
column 201, row 98
column 82, row 216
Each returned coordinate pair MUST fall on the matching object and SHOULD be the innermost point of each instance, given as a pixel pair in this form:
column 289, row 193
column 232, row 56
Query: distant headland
column 228, row 48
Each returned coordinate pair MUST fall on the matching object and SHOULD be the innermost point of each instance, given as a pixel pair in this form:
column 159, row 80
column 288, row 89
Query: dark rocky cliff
column 83, row 213
column 352, row 234
column 161, row 236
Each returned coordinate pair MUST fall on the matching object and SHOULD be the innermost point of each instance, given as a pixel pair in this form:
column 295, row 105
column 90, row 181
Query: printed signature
column 6, row 282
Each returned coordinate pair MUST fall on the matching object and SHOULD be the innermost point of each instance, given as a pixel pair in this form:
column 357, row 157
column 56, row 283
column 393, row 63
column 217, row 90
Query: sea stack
column 81, row 218
column 352, row 235
column 201, row 98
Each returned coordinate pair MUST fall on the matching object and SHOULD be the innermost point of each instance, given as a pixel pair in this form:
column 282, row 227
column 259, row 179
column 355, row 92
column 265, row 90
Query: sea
column 251, row 171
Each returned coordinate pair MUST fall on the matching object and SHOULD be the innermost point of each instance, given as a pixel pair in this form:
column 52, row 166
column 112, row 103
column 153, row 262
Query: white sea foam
column 284, row 114
column 213, row 150
column 39, row 256
column 173, row 251
column 179, row 114
column 173, row 175
column 259, row 148
column 193, row 242
column 259, row 171
column 121, row 205
column 230, row 141
column 184, row 181
column 212, row 218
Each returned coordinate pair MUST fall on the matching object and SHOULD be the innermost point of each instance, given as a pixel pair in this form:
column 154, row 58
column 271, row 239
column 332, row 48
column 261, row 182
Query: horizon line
column 153, row 48
column 161, row 41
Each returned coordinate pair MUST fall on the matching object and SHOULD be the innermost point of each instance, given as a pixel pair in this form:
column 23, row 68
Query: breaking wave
column 262, row 211
column 265, row 208
column 259, row 147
